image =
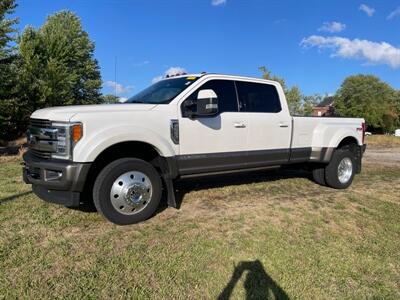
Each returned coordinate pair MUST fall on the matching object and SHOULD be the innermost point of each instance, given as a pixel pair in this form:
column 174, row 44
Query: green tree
column 309, row 102
column 6, row 28
column 8, row 68
column 294, row 98
column 266, row 74
column 110, row 99
column 368, row 97
column 57, row 65
column 293, row 94
column 397, row 100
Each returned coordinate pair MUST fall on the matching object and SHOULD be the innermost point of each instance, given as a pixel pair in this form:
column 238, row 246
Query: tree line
column 55, row 65
column 360, row 96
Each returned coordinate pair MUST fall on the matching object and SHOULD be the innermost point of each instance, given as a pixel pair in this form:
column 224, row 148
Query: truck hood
column 65, row 113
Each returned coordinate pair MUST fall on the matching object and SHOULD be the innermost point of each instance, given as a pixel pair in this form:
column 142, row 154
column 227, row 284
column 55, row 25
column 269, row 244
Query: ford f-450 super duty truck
column 125, row 155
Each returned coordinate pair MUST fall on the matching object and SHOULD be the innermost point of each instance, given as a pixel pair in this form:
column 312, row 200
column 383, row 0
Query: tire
column 332, row 173
column 319, row 176
column 127, row 191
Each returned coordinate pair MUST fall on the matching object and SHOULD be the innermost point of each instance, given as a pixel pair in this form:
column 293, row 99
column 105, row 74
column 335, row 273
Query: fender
column 329, row 135
column 88, row 149
column 341, row 135
column 324, row 152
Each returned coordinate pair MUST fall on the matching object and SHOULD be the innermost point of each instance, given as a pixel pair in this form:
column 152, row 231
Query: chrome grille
column 41, row 139
column 40, row 123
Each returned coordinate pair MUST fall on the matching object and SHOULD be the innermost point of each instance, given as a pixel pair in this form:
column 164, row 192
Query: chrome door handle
column 239, row 125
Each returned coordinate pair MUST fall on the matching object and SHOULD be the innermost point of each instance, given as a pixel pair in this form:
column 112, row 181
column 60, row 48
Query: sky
column 313, row 44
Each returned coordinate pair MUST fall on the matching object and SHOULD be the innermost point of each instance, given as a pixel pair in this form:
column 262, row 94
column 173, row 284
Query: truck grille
column 40, row 142
column 40, row 154
column 40, row 123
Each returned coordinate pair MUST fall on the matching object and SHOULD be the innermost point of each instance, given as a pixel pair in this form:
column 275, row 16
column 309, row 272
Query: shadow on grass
column 184, row 186
column 216, row 181
column 14, row 197
column 258, row 284
column 85, row 207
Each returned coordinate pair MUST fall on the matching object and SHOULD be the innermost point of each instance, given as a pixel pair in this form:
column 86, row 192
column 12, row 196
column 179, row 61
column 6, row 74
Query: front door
column 217, row 143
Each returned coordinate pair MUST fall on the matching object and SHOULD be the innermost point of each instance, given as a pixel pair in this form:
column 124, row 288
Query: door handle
column 239, row 125
column 283, row 125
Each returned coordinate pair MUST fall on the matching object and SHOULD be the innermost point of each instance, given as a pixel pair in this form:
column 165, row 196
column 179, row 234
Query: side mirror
column 207, row 103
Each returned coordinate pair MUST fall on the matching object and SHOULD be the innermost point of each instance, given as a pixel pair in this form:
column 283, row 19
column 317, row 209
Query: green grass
column 257, row 235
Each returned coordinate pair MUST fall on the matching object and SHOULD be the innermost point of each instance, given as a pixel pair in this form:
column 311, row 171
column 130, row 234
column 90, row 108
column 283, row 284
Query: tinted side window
column 258, row 97
column 225, row 90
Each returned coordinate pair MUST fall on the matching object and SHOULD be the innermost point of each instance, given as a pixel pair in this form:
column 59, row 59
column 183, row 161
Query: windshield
column 163, row 92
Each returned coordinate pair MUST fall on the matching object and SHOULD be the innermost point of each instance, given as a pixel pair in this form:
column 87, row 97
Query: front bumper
column 55, row 181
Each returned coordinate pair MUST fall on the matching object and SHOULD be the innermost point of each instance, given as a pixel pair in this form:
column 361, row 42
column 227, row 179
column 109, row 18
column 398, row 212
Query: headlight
column 68, row 134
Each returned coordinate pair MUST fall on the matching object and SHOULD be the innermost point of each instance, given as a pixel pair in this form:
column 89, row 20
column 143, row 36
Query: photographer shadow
column 258, row 284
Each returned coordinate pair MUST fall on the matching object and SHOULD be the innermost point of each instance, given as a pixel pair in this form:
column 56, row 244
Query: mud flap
column 168, row 173
column 169, row 184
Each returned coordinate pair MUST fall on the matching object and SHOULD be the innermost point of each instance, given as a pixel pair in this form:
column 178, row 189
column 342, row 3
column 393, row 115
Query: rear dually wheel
column 339, row 173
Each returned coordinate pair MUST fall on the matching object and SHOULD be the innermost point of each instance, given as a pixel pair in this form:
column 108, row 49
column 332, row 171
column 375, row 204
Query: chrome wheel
column 131, row 192
column 345, row 170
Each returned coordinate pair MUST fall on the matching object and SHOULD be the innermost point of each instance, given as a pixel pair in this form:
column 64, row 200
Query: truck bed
column 324, row 131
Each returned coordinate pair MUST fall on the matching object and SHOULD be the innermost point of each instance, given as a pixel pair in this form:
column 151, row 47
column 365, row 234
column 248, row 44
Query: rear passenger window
column 225, row 90
column 258, row 97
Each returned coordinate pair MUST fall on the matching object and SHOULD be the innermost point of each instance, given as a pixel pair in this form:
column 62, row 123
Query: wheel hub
column 136, row 194
column 345, row 170
column 131, row 192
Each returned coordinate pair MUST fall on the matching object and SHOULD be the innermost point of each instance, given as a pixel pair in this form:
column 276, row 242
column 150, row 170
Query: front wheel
column 339, row 173
column 127, row 191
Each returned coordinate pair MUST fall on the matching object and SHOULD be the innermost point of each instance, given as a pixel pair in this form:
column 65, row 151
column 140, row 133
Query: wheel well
column 128, row 149
column 348, row 142
column 134, row 149
column 352, row 144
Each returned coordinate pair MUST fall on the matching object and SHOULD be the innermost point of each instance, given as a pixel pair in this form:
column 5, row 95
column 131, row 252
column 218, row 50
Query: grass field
column 261, row 235
column 382, row 141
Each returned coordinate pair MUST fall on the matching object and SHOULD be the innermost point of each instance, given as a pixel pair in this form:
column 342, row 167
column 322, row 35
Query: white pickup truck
column 123, row 156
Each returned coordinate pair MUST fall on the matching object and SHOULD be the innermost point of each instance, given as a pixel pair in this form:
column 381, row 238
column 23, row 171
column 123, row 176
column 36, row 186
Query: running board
column 229, row 172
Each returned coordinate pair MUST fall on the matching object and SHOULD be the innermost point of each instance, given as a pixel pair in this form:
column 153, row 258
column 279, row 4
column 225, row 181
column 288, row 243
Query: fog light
column 51, row 175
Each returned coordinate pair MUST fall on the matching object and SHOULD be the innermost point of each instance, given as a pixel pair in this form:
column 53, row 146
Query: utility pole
column 115, row 76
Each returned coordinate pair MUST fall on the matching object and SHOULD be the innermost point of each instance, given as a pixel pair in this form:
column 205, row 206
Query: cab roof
column 227, row 76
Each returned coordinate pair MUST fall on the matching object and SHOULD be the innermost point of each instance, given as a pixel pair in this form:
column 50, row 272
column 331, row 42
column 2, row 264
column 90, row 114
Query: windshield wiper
column 137, row 101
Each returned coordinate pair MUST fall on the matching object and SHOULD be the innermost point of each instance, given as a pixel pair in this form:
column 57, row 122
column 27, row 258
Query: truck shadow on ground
column 185, row 186
column 14, row 197
column 258, row 284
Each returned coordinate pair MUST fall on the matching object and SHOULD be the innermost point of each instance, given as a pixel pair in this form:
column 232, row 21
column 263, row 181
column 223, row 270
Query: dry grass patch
column 382, row 141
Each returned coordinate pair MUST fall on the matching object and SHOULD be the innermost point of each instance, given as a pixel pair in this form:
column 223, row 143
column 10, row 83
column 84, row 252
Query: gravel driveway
column 388, row 157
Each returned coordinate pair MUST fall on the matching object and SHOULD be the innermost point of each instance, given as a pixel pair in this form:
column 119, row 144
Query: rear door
column 269, row 123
